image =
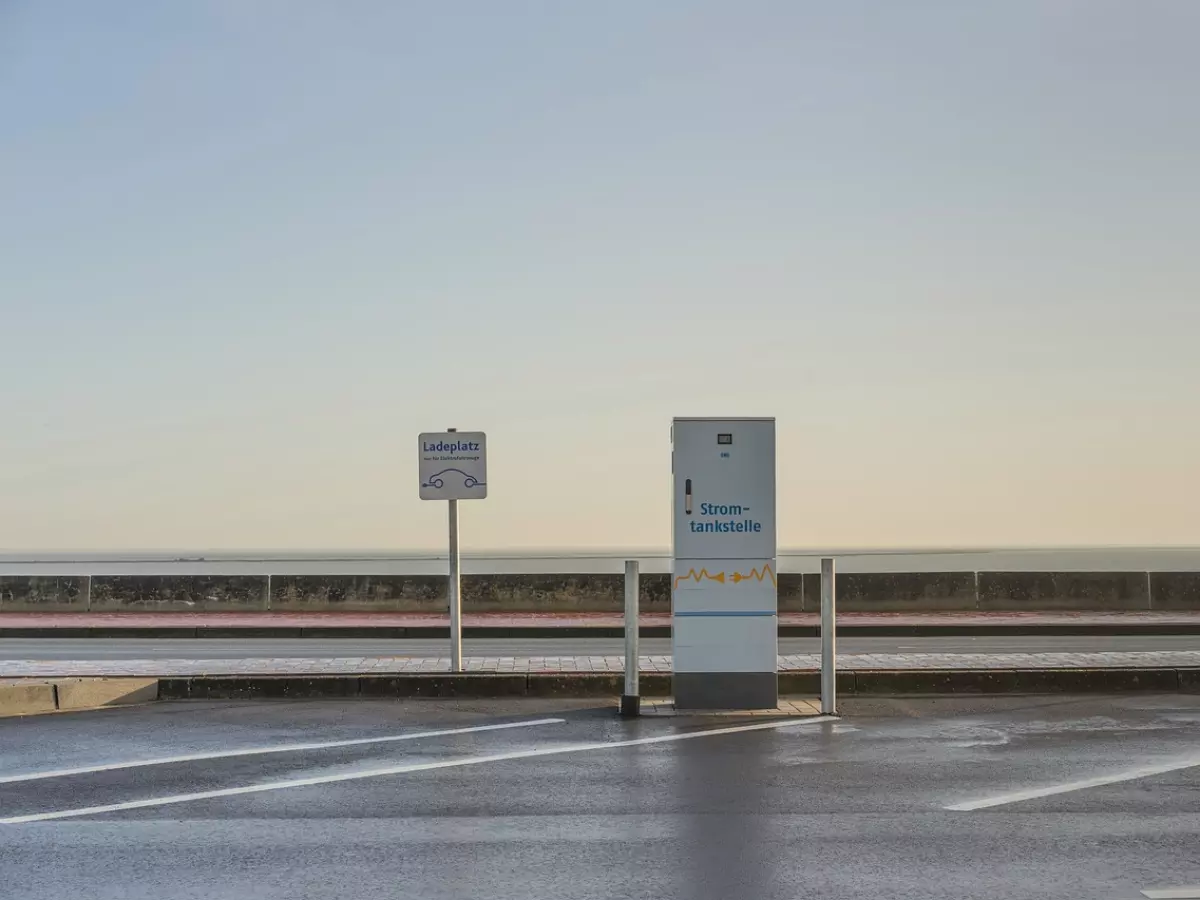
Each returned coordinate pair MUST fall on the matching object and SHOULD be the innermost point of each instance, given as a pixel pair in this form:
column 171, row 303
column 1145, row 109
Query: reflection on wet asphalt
column 853, row 808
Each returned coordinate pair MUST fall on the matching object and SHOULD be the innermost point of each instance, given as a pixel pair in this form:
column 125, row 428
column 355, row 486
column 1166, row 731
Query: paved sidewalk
column 664, row 707
column 383, row 665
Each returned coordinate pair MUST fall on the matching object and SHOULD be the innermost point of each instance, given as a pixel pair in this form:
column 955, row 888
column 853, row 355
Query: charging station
column 724, row 598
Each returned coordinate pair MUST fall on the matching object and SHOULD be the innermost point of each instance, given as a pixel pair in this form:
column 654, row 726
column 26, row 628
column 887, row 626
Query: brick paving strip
column 383, row 665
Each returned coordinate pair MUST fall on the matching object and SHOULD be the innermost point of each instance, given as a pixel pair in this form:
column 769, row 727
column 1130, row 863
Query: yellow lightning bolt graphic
column 737, row 577
column 756, row 574
column 697, row 576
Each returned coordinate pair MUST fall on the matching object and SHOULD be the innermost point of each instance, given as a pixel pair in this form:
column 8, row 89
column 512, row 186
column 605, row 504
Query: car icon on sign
column 437, row 481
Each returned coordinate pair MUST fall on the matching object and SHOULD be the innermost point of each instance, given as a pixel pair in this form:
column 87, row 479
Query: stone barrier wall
column 881, row 592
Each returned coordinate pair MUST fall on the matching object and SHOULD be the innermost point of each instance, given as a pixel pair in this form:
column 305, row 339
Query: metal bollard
column 631, row 702
column 828, row 638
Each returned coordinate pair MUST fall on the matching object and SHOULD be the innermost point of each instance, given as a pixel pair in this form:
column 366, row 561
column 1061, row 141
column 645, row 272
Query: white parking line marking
column 1068, row 787
column 399, row 770
column 1179, row 893
column 259, row 751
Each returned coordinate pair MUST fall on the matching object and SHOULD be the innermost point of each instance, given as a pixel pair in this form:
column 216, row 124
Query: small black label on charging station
column 724, row 438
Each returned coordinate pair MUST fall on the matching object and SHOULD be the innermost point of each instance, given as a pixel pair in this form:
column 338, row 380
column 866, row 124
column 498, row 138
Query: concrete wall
column 896, row 592
column 1064, row 590
column 911, row 592
column 1175, row 590
column 312, row 593
column 168, row 593
column 481, row 593
column 56, row 593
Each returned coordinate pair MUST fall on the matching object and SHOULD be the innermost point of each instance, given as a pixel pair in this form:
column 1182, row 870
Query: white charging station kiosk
column 724, row 600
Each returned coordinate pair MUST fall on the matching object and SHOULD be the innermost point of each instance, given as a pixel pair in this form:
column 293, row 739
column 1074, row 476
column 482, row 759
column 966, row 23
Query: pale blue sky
column 250, row 249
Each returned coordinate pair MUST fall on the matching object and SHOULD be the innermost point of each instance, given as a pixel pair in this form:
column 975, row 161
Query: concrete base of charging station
column 726, row 690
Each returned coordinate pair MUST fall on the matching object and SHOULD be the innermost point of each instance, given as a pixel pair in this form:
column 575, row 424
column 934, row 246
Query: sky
column 251, row 248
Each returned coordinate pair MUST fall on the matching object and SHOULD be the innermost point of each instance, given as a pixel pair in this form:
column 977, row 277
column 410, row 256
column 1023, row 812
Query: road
column 1009, row 798
column 220, row 648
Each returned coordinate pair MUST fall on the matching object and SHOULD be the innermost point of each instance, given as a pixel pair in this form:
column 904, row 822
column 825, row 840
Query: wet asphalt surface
column 248, row 648
column 852, row 808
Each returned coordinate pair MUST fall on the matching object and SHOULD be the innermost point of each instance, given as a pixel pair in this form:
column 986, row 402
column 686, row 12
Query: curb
column 611, row 684
column 27, row 699
column 33, row 696
column 384, row 632
column 480, row 685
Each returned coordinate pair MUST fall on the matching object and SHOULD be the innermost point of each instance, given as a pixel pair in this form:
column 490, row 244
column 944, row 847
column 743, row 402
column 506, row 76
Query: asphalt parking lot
column 1013, row 797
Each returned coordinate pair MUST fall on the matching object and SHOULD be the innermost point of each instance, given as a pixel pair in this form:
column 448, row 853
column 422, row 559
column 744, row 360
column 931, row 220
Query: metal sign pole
column 455, row 589
column 828, row 638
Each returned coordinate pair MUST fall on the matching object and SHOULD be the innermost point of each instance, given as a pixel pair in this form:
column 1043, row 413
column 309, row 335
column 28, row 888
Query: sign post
column 453, row 467
column 454, row 590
